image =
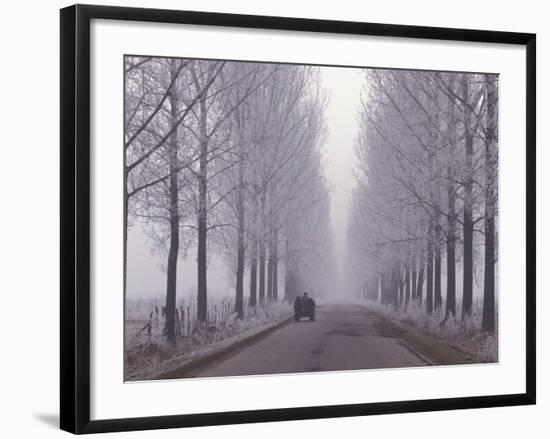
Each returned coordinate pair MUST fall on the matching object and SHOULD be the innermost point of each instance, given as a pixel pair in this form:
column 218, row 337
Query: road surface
column 345, row 336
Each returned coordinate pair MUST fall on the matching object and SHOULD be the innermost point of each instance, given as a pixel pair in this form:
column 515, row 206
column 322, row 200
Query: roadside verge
column 431, row 350
column 187, row 366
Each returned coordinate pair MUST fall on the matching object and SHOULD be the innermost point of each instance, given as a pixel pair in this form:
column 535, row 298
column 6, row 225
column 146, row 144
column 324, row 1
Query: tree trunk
column 401, row 285
column 202, row 305
column 262, row 248
column 430, row 275
column 288, row 286
column 269, row 283
column 437, row 269
column 450, row 303
column 125, row 235
column 407, row 286
column 275, row 277
column 261, row 290
column 396, row 287
column 373, row 288
column 239, row 305
column 270, row 269
column 172, row 266
column 287, row 292
column 253, row 275
column 488, row 321
column 420, row 285
column 253, row 292
column 413, row 278
column 467, row 294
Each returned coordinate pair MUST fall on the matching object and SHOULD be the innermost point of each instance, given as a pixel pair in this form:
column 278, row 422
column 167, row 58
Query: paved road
column 343, row 337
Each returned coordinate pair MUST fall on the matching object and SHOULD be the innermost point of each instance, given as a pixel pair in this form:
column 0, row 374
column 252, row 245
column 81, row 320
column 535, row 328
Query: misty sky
column 343, row 85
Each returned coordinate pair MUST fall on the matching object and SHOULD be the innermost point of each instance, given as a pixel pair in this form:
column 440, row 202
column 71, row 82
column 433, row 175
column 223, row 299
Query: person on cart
column 304, row 307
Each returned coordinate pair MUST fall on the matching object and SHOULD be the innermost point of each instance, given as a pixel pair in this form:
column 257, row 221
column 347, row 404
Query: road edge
column 468, row 357
column 217, row 354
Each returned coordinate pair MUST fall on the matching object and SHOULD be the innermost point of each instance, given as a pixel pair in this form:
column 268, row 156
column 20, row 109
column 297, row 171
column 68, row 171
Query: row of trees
column 426, row 191
column 223, row 159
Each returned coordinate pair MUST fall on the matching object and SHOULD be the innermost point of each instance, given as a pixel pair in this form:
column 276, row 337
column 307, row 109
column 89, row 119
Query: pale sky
column 344, row 88
column 343, row 85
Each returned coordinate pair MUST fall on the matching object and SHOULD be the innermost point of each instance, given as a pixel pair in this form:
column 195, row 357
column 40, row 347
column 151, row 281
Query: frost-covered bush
column 467, row 333
column 147, row 348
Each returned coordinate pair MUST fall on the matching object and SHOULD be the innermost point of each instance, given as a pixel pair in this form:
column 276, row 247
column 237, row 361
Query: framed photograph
column 268, row 218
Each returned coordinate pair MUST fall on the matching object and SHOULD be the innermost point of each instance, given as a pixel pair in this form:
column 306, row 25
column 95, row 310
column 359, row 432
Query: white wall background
column 29, row 249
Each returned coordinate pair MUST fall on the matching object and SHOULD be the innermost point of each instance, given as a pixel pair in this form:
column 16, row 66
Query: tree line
column 223, row 159
column 425, row 206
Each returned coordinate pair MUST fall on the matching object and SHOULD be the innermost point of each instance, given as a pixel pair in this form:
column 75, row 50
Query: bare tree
column 420, row 172
column 491, row 161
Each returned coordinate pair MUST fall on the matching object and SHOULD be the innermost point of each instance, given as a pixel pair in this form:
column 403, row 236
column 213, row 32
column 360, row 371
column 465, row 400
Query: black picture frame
column 75, row 217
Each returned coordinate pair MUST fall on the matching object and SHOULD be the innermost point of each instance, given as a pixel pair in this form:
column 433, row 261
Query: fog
column 360, row 251
column 248, row 185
